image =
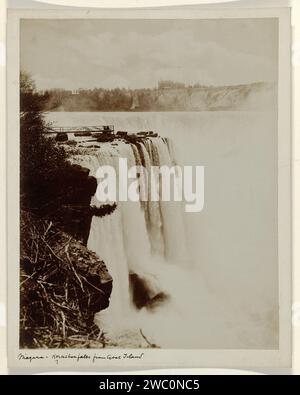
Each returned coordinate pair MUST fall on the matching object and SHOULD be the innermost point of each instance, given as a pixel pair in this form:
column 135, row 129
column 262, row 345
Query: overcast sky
column 74, row 54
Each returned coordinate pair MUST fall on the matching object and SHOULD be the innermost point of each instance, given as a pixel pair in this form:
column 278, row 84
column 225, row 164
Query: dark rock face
column 74, row 213
column 65, row 200
column 144, row 294
column 61, row 137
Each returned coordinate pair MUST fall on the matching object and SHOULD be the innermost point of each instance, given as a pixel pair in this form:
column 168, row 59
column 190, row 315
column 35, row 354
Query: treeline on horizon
column 167, row 96
column 117, row 99
column 98, row 99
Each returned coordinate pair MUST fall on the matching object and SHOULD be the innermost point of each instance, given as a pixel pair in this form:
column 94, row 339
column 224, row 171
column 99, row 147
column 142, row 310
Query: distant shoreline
column 168, row 99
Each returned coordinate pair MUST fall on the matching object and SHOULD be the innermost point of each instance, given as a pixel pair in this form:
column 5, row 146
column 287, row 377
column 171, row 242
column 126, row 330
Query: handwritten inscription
column 58, row 357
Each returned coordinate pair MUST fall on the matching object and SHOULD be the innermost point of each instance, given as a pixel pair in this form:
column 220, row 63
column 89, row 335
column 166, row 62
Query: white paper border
column 157, row 358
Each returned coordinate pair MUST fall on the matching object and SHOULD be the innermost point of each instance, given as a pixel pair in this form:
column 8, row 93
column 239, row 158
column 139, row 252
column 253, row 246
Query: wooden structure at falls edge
column 81, row 129
column 102, row 133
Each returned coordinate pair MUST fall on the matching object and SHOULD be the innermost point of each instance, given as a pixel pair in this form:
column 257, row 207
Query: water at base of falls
column 144, row 241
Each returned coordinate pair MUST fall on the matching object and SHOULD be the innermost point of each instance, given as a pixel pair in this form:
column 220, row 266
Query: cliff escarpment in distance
column 239, row 97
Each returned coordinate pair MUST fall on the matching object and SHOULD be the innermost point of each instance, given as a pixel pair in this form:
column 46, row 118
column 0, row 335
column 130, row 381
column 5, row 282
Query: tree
column 50, row 184
column 41, row 159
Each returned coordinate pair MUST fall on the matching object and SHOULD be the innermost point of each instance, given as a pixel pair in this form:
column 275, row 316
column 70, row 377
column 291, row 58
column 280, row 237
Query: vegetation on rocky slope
column 62, row 283
column 62, row 286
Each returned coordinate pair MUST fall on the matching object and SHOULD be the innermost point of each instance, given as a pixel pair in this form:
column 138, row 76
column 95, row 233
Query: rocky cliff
column 239, row 97
column 62, row 286
column 62, row 283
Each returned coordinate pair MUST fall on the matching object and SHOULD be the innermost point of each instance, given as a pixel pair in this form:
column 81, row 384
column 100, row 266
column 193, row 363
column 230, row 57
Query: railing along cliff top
column 74, row 129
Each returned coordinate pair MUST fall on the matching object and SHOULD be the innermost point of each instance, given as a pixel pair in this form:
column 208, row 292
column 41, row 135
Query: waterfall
column 138, row 238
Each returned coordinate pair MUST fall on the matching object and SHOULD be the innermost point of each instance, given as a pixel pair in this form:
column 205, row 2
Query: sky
column 107, row 53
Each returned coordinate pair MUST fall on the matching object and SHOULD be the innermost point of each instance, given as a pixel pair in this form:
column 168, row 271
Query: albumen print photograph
column 148, row 184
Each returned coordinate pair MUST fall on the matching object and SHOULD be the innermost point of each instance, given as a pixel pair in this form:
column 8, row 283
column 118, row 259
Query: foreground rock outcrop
column 62, row 286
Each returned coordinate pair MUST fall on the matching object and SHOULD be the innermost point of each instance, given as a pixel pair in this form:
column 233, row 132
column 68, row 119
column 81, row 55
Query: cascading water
column 138, row 238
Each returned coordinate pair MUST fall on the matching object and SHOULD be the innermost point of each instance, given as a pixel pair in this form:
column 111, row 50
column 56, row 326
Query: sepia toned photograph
column 148, row 184
column 148, row 189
